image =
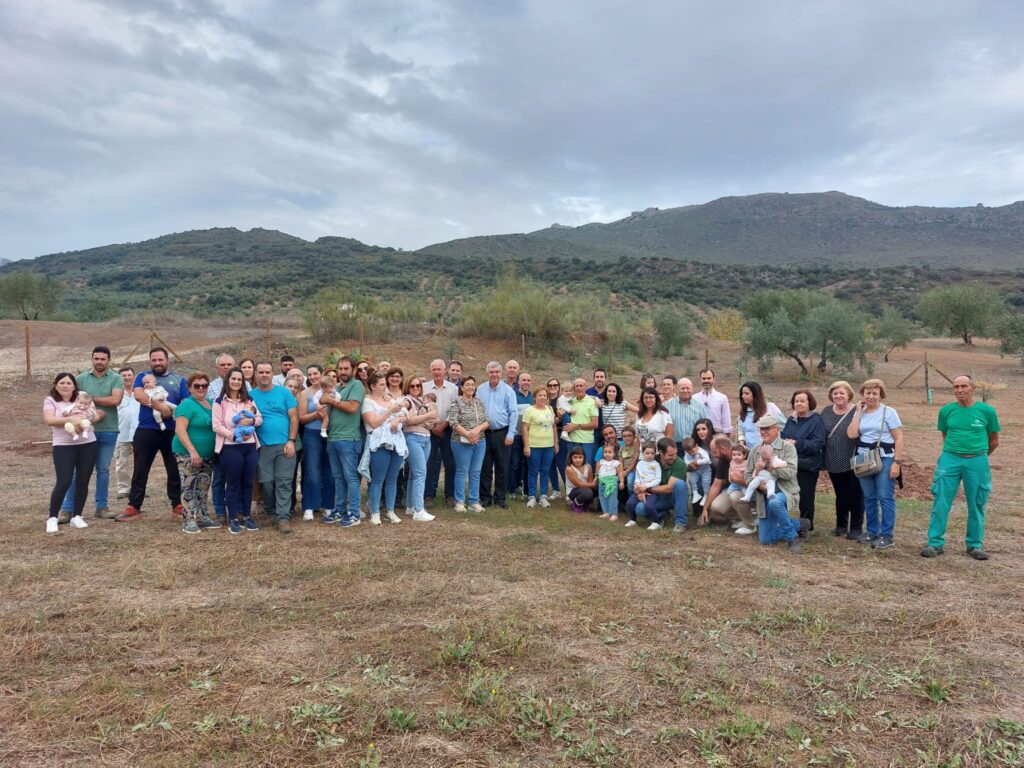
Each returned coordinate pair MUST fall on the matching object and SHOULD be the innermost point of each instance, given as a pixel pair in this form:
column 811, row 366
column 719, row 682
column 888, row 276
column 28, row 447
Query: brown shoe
column 284, row 526
column 63, row 518
column 105, row 514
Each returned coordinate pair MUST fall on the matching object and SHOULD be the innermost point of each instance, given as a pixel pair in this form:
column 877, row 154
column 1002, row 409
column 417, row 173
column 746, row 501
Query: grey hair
column 966, row 376
column 493, row 364
column 222, row 355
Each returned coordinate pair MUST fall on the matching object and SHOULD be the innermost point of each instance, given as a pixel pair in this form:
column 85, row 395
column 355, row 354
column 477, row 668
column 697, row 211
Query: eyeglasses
column 415, row 386
column 362, row 370
column 200, row 386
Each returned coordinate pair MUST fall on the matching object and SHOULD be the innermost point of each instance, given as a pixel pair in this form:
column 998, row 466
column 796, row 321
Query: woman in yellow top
column 540, row 444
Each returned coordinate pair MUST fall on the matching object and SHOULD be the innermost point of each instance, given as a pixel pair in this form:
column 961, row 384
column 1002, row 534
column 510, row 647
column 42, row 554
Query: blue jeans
column 344, row 456
column 517, row 466
column 878, row 492
column 677, row 500
column 609, row 503
column 468, row 460
column 105, row 442
column 317, row 475
column 777, row 525
column 218, row 488
column 558, row 465
column 419, row 455
column 539, row 464
column 238, row 463
column 384, row 467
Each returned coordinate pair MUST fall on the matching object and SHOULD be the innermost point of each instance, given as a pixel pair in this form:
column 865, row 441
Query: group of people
column 242, row 436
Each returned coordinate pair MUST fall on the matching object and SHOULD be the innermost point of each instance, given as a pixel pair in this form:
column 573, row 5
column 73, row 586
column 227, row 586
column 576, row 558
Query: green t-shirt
column 200, row 428
column 583, row 412
column 677, row 470
column 102, row 386
column 345, row 426
column 967, row 429
column 541, row 421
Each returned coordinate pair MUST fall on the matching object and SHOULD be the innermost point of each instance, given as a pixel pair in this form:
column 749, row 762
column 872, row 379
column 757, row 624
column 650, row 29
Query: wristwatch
column 898, row 462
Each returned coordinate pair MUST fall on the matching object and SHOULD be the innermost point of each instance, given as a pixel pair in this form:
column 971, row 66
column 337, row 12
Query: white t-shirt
column 608, row 468
column 648, row 473
column 653, row 430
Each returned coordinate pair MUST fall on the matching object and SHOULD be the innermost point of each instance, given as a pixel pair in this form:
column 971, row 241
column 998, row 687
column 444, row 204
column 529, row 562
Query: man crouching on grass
column 776, row 523
column 672, row 493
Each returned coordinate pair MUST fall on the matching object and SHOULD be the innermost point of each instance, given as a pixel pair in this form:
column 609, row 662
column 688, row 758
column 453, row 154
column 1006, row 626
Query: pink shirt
column 52, row 407
column 223, row 415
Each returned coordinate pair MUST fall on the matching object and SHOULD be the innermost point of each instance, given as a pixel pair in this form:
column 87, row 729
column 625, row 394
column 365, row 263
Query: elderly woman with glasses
column 193, row 447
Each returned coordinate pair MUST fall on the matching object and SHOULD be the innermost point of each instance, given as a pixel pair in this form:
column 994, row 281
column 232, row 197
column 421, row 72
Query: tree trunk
column 799, row 362
column 966, row 336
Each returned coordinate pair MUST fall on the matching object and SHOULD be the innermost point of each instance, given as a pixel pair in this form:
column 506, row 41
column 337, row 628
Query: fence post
column 268, row 338
column 706, row 362
column 524, row 347
column 28, row 351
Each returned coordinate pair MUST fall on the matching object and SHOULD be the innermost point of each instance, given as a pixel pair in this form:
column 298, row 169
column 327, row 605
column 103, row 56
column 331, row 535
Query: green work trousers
column 950, row 470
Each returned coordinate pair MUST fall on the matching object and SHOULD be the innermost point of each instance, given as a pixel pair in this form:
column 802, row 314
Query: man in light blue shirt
column 503, row 417
column 277, row 436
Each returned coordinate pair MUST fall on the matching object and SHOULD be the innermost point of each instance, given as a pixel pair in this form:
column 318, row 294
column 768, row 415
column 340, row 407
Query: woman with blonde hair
column 876, row 425
column 839, row 449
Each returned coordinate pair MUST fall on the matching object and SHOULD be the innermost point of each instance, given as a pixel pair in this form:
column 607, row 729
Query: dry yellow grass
column 512, row 638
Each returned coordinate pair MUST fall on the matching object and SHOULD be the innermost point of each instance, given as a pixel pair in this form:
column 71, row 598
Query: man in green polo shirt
column 970, row 433
column 107, row 389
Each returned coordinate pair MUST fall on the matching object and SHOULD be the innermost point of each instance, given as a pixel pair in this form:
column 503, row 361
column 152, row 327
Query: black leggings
column 849, row 500
column 76, row 461
column 582, row 496
column 808, row 482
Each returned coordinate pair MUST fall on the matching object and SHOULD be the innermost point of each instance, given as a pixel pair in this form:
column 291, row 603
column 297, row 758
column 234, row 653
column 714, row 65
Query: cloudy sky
column 408, row 122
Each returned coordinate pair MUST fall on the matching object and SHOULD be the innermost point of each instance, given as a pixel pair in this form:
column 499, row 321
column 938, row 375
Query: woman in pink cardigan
column 233, row 412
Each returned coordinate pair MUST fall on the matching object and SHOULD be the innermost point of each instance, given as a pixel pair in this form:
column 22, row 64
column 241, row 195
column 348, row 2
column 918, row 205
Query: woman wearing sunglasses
column 193, row 445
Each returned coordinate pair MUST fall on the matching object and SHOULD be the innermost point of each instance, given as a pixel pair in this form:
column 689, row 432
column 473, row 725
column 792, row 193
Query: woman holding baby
column 235, row 417
column 74, row 447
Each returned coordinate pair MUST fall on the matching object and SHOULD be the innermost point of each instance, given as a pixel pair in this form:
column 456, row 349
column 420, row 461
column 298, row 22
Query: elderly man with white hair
column 502, row 421
column 776, row 523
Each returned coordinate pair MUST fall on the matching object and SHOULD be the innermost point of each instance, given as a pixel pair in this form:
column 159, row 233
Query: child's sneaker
column 544, row 501
column 307, row 515
column 552, row 495
column 531, row 503
column 630, row 524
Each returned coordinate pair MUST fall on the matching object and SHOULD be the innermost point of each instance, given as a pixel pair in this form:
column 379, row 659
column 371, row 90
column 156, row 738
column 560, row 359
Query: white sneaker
column 630, row 524
column 51, row 525
column 375, row 518
column 422, row 516
column 736, row 524
column 544, row 501
column 410, row 512
column 460, row 507
column 392, row 517
column 654, row 527
column 476, row 508
column 78, row 522
column 695, row 498
column 307, row 515
column 552, row 495
column 744, row 531
column 531, row 503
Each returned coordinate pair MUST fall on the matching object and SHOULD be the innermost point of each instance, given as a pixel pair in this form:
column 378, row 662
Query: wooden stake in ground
column 28, row 351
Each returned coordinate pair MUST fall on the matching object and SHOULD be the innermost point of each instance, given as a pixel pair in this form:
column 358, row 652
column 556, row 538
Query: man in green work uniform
column 970, row 433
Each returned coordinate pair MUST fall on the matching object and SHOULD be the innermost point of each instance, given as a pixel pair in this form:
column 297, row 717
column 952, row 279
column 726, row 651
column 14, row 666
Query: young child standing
column 698, row 461
column 610, row 479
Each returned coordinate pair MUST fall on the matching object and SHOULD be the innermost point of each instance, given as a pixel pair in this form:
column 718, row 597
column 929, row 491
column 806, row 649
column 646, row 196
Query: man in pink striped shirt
column 717, row 403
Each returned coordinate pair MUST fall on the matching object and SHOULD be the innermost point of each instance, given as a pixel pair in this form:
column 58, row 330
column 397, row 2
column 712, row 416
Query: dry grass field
column 512, row 638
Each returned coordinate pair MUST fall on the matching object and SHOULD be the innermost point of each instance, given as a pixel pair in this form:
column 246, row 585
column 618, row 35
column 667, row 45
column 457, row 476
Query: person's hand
column 526, row 451
column 791, row 441
column 692, row 465
column 246, row 422
column 100, row 415
column 622, row 485
column 289, row 449
column 569, row 427
column 703, row 519
column 759, row 465
column 395, row 407
column 321, row 411
column 894, row 471
column 509, row 441
column 396, row 424
column 197, row 460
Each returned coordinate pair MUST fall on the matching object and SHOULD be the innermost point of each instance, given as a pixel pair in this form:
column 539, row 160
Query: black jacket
column 809, row 433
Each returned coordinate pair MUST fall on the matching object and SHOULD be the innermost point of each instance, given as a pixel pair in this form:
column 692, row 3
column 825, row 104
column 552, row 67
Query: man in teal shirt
column 277, row 436
column 107, row 389
column 970, row 433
